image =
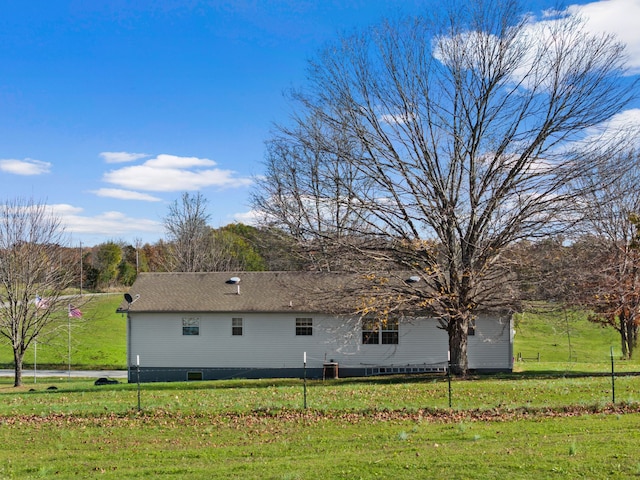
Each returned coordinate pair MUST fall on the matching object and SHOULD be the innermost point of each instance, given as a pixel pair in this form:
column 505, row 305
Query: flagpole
column 81, row 267
column 35, row 340
column 35, row 349
column 69, row 339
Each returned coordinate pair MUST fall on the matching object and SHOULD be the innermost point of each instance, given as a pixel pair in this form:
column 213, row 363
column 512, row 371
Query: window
column 369, row 332
column 472, row 327
column 375, row 332
column 236, row 326
column 389, row 332
column 190, row 326
column 304, row 326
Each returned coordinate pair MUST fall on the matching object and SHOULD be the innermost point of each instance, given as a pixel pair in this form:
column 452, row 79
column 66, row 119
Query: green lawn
column 593, row 447
column 520, row 427
column 98, row 339
column 566, row 343
column 545, row 421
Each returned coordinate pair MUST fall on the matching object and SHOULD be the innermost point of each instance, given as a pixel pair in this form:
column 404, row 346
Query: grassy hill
column 564, row 342
column 98, row 339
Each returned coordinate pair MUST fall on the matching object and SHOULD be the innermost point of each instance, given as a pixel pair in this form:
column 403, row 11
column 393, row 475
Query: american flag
column 74, row 312
column 41, row 302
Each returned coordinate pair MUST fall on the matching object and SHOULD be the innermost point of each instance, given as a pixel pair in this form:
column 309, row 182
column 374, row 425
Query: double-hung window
column 304, row 326
column 379, row 332
column 190, row 326
column 370, row 332
column 389, row 332
column 236, row 326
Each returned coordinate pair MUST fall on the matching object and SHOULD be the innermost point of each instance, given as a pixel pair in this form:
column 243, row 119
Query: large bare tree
column 467, row 131
column 33, row 277
column 307, row 187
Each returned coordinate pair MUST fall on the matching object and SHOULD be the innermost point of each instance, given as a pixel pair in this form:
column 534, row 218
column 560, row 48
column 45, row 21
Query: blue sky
column 110, row 109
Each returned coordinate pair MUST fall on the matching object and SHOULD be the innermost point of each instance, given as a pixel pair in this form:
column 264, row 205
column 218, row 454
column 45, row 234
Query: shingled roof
column 255, row 292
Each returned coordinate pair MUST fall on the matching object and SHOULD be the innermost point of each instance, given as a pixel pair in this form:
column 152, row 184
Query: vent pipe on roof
column 235, row 281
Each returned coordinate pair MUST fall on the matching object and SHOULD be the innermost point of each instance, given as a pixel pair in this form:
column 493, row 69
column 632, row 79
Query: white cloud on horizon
column 109, row 224
column 252, row 217
column 171, row 173
column 125, row 194
column 122, row 157
column 25, row 167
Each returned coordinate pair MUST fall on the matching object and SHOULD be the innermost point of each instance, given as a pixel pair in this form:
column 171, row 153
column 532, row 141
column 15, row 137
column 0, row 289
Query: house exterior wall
column 269, row 347
column 491, row 348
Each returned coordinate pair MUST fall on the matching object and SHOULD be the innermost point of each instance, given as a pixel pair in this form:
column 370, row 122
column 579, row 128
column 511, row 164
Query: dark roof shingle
column 256, row 292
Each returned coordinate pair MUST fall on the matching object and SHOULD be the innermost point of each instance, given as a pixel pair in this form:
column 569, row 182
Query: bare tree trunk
column 624, row 335
column 631, row 329
column 458, row 329
column 17, row 359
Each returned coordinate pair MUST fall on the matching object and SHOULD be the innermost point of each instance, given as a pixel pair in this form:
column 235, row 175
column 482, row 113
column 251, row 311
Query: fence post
column 613, row 379
column 449, row 374
column 304, row 368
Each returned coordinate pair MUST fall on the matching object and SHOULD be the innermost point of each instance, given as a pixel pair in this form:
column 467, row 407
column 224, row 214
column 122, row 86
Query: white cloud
column 125, row 194
column 107, row 224
column 170, row 173
column 252, row 217
column 173, row 161
column 619, row 17
column 27, row 166
column 64, row 209
column 624, row 126
column 122, row 157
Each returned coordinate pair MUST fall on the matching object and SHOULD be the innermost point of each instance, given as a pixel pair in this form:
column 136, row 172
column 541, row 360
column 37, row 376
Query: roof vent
column 234, row 281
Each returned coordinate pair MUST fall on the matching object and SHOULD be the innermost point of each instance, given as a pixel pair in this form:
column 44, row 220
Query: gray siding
column 269, row 342
column 491, row 348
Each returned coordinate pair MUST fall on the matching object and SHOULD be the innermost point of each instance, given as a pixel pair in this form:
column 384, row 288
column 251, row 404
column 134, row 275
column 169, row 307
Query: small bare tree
column 188, row 234
column 610, row 286
column 32, row 276
column 467, row 133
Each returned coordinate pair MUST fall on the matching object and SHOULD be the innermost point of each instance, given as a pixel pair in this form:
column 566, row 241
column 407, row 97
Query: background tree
column 455, row 127
column 129, row 265
column 307, row 189
column 188, row 234
column 155, row 256
column 609, row 283
column 271, row 248
column 233, row 252
column 106, row 259
column 31, row 241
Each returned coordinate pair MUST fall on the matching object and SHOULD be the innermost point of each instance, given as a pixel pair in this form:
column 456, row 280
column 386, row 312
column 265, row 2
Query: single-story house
column 204, row 326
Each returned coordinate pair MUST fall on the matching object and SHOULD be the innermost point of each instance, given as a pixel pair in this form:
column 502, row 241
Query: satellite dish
column 233, row 280
column 128, row 298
